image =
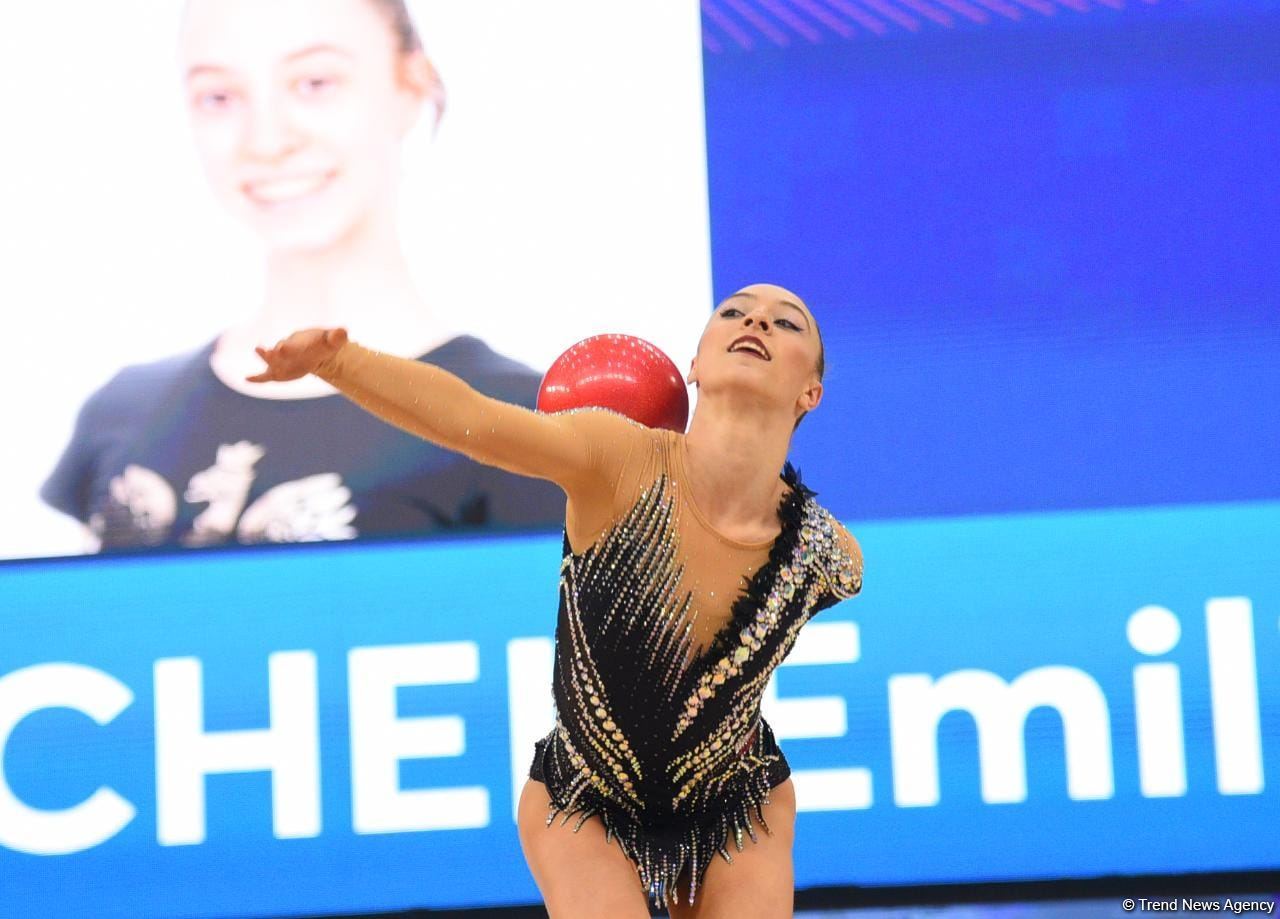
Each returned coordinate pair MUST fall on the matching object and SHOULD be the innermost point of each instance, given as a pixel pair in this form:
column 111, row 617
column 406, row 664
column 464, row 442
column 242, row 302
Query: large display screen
column 1037, row 236
column 186, row 180
column 1041, row 250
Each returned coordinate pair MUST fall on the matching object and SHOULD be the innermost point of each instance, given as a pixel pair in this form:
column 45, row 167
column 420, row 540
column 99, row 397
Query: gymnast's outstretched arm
column 585, row 452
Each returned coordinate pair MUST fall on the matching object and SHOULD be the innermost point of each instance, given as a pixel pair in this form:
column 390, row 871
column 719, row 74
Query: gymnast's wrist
column 331, row 367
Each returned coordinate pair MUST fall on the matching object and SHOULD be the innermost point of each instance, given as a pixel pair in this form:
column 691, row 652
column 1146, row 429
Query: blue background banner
column 986, row 640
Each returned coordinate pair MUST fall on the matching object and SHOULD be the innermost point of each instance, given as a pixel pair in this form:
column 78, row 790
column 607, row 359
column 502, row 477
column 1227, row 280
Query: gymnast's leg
column 578, row 874
column 760, row 884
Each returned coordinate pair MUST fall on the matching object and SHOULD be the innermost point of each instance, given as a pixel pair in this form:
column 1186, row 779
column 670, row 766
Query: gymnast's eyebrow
column 747, row 293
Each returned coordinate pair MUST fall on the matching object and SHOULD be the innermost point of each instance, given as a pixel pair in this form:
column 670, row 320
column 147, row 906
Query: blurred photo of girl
column 298, row 111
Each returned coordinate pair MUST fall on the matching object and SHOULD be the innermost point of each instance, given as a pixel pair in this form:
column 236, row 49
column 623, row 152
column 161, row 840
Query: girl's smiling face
column 298, row 110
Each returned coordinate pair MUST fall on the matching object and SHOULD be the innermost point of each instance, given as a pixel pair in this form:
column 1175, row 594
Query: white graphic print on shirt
column 305, row 510
column 225, row 487
column 147, row 497
column 313, row 508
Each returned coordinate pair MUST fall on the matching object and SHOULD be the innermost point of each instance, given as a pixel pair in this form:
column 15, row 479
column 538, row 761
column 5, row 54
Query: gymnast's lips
column 751, row 345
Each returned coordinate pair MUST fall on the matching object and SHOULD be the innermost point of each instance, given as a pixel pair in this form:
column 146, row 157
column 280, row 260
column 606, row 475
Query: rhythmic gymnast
column 690, row 563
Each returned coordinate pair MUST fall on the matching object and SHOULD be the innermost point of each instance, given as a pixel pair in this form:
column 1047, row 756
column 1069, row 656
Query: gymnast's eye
column 787, row 324
column 729, row 312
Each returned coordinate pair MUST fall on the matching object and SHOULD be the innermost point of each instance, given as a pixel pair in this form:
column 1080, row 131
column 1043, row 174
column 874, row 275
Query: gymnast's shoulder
column 844, row 564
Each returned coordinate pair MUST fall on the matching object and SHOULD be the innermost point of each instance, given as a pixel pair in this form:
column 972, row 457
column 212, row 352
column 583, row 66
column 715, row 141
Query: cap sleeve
column 840, row 567
column 68, row 485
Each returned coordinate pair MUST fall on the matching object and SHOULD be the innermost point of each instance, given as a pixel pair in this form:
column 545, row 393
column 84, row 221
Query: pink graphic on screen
column 748, row 24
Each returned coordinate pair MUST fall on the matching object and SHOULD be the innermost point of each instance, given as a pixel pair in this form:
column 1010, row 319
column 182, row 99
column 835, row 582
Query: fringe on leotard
column 661, row 854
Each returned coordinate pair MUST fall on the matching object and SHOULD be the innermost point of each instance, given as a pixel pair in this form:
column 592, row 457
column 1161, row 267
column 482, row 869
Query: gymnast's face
column 298, row 109
column 762, row 340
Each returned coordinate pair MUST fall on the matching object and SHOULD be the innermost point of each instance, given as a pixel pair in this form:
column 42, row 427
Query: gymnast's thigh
column 578, row 874
column 760, row 884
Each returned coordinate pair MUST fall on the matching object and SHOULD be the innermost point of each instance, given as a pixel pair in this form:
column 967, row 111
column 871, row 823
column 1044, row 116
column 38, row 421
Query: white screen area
column 562, row 194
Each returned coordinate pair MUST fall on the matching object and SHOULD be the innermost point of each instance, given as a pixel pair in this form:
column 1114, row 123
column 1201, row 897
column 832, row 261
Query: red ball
column 619, row 372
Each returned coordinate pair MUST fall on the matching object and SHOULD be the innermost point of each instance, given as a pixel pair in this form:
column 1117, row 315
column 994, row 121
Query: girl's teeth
column 285, row 189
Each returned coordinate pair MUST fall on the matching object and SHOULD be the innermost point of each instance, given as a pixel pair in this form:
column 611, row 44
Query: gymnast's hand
column 299, row 354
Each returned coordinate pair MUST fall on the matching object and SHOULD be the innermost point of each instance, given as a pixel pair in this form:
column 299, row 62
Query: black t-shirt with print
column 165, row 453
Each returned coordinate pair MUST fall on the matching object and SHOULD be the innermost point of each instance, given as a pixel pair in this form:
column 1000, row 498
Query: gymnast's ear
column 810, row 396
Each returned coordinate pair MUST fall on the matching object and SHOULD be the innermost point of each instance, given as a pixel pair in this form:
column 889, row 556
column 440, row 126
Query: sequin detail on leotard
column 667, row 746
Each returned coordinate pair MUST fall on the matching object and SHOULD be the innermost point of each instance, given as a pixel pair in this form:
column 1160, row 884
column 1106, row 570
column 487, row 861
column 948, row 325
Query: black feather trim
column 754, row 592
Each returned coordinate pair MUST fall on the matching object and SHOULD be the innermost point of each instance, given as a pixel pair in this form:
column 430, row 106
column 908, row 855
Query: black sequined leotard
column 667, row 630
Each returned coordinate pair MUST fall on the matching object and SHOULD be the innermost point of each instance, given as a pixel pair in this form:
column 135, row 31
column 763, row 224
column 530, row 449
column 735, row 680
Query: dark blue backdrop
column 1043, row 254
